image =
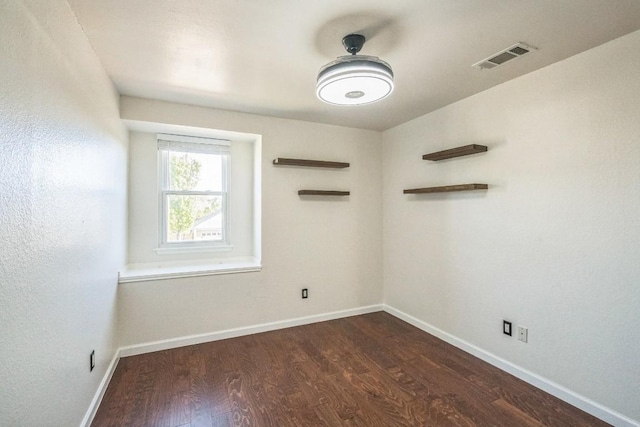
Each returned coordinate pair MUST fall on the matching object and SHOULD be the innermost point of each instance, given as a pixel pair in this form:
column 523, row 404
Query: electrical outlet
column 523, row 334
column 305, row 293
column 92, row 360
column 506, row 327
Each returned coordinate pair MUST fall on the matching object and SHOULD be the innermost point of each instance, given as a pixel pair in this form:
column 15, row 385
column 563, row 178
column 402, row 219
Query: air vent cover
column 505, row 55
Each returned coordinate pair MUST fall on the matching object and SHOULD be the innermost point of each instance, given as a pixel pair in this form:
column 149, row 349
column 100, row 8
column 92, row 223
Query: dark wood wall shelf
column 455, row 152
column 282, row 161
column 447, row 188
column 322, row 193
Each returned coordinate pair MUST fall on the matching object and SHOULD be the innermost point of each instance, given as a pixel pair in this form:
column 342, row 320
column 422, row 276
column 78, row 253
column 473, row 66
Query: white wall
column 63, row 162
column 554, row 244
column 330, row 245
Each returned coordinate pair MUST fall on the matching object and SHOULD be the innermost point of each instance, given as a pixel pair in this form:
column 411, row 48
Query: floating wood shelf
column 455, row 152
column 447, row 188
column 281, row 161
column 322, row 193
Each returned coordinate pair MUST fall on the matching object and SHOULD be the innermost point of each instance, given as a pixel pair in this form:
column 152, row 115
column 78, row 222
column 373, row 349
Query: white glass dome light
column 353, row 79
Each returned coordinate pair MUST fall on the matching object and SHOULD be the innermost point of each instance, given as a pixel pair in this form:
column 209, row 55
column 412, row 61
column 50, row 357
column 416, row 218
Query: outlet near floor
column 506, row 327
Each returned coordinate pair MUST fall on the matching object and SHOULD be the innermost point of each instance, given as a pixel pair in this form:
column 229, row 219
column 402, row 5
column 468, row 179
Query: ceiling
column 263, row 57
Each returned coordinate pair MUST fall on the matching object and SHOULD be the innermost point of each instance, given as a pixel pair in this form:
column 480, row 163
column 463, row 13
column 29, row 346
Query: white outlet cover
column 523, row 334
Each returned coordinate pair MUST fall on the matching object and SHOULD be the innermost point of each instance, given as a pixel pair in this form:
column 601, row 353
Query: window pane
column 194, row 218
column 195, row 171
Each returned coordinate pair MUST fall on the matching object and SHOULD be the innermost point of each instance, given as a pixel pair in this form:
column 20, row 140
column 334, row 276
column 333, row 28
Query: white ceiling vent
column 504, row 55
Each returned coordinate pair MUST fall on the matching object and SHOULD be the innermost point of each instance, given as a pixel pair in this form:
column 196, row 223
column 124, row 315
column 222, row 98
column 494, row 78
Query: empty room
column 319, row 213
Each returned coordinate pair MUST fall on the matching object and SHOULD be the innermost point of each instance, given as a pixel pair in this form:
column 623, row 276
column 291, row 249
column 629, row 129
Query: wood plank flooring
column 369, row 370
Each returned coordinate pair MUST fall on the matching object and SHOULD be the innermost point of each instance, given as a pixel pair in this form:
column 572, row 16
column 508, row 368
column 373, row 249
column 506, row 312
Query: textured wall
column 62, row 215
column 554, row 244
column 331, row 246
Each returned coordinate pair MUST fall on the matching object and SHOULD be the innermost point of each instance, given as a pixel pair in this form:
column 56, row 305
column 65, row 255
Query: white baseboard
column 563, row 393
column 102, row 388
column 238, row 332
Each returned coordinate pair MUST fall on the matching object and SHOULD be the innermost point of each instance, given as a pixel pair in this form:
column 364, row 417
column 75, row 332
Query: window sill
column 153, row 271
column 192, row 249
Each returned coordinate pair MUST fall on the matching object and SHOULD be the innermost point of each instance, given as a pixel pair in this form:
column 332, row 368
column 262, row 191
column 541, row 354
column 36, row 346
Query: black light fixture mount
column 353, row 43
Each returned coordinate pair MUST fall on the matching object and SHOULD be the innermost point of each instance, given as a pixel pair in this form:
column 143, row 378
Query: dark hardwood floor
column 369, row 370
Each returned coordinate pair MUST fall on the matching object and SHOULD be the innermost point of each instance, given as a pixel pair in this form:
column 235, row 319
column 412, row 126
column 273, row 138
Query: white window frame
column 182, row 143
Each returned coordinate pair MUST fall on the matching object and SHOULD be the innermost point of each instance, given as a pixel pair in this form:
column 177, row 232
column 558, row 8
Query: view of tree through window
column 194, row 213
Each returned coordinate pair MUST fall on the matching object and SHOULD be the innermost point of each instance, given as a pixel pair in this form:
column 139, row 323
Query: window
column 219, row 231
column 193, row 192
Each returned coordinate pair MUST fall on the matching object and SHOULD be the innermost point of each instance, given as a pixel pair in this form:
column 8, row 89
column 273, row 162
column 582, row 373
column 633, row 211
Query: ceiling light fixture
column 354, row 79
